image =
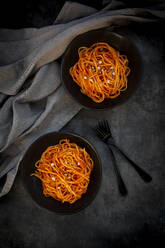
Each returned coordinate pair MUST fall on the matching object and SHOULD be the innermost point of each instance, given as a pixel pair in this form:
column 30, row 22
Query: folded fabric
column 32, row 99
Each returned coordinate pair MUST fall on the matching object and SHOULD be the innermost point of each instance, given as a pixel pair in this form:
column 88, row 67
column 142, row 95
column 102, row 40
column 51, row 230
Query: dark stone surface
column 110, row 221
column 29, row 13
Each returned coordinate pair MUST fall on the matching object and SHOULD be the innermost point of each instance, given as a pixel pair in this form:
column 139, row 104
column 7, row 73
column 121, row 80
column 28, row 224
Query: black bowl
column 33, row 184
column 119, row 42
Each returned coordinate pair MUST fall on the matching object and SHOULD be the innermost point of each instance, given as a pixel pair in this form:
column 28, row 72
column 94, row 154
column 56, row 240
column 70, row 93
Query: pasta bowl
column 34, row 186
column 119, row 42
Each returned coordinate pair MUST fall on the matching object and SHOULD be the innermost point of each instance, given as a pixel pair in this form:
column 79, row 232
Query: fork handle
column 142, row 173
column 121, row 185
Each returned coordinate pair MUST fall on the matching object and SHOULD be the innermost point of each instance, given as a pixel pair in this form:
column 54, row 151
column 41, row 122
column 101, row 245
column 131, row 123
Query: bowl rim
column 25, row 184
column 105, row 29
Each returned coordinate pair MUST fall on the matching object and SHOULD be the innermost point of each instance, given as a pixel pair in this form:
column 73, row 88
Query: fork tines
column 103, row 129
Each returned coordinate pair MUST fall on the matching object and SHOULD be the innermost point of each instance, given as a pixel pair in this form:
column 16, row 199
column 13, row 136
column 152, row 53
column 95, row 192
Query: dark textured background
column 138, row 127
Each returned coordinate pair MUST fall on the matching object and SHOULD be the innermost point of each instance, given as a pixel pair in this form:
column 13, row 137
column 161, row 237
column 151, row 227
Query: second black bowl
column 34, row 186
column 120, row 43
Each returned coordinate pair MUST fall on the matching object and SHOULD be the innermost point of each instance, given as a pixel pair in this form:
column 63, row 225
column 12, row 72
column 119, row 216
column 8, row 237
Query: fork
column 104, row 132
column 105, row 137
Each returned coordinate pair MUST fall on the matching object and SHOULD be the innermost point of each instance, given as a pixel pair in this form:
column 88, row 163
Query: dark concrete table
column 137, row 220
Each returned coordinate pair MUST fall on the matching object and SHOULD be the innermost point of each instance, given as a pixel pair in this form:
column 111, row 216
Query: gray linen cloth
column 32, row 99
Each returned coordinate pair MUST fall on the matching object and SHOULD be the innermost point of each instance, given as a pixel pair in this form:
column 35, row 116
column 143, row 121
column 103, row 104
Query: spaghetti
column 101, row 71
column 64, row 170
